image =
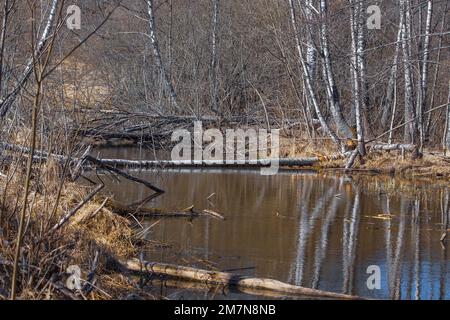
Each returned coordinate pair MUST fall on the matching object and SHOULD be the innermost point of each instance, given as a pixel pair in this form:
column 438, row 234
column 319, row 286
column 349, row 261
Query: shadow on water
column 303, row 228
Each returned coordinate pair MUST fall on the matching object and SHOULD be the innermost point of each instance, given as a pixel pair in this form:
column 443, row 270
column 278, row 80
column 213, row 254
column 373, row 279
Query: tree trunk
column 331, row 88
column 410, row 135
column 437, row 68
column 215, row 57
column 158, row 58
column 311, row 52
column 307, row 78
column 387, row 103
column 227, row 279
column 11, row 96
column 356, row 66
column 447, row 129
column 422, row 102
column 6, row 11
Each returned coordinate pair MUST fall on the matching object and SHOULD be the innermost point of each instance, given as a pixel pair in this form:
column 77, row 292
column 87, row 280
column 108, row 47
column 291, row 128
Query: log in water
column 228, row 279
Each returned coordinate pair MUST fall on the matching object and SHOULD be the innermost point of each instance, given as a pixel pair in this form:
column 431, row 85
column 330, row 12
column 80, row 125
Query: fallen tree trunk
column 227, row 279
column 392, row 147
column 113, row 164
column 139, row 211
column 282, row 162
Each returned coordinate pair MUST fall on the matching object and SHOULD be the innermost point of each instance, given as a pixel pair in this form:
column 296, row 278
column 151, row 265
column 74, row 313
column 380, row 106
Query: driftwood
column 227, row 279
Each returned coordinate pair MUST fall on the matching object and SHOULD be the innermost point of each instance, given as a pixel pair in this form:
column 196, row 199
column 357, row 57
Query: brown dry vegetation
column 46, row 255
column 113, row 83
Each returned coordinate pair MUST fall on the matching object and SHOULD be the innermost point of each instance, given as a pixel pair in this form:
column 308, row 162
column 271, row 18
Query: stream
column 325, row 231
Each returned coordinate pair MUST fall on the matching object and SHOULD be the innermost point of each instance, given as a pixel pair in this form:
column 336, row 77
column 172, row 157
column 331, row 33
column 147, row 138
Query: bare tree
column 307, row 78
column 331, row 88
column 423, row 89
column 215, row 56
column 6, row 103
column 355, row 22
column 6, row 11
column 410, row 135
column 158, row 58
column 387, row 101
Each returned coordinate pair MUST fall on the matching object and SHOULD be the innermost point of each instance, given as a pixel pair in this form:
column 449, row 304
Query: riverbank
column 69, row 224
column 431, row 165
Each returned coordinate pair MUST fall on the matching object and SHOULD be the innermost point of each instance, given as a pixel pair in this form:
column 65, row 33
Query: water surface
column 304, row 228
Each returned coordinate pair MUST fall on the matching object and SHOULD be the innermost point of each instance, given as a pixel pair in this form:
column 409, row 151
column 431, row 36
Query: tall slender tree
column 215, row 56
column 158, row 57
column 10, row 97
column 355, row 22
column 410, row 135
column 307, row 78
column 331, row 87
column 423, row 89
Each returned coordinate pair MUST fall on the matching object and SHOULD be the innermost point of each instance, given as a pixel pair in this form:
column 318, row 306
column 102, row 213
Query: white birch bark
column 387, row 103
column 411, row 127
column 311, row 52
column 355, row 66
column 361, row 44
column 6, row 103
column 331, row 88
column 307, row 79
column 158, row 58
column 422, row 102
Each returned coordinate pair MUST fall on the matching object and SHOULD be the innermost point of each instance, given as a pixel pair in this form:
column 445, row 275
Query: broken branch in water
column 227, row 279
column 108, row 167
column 139, row 211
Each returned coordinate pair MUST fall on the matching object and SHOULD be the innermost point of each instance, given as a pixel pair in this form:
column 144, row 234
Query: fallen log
column 392, row 147
column 227, row 279
column 139, row 211
column 282, row 162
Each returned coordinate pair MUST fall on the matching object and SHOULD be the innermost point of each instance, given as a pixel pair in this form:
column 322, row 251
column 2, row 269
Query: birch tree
column 410, row 135
column 307, row 78
column 9, row 99
column 311, row 52
column 422, row 101
column 215, row 56
column 355, row 22
column 158, row 58
column 387, row 101
column 331, row 88
column 362, row 65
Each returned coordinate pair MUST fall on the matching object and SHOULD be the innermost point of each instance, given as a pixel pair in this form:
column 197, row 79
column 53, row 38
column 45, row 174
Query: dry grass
column 46, row 255
column 431, row 166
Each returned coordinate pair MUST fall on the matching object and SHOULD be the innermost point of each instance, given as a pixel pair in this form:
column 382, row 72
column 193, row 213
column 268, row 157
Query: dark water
column 309, row 229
